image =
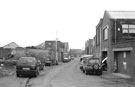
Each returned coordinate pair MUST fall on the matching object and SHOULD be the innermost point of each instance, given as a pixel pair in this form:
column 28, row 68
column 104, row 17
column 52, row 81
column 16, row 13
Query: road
column 63, row 75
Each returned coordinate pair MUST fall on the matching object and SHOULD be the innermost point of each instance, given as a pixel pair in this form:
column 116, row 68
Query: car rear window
column 27, row 61
column 94, row 61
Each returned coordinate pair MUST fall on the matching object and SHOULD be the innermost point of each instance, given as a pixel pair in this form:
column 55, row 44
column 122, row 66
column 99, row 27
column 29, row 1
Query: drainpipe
column 100, row 44
column 114, row 60
column 56, row 47
column 115, row 30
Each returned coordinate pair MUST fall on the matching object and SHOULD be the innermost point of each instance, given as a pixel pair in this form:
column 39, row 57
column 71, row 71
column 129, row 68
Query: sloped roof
column 42, row 45
column 122, row 14
column 11, row 45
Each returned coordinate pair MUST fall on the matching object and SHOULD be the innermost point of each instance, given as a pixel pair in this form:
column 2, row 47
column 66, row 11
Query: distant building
column 89, row 46
column 66, row 49
column 41, row 46
column 75, row 52
column 11, row 45
column 55, row 47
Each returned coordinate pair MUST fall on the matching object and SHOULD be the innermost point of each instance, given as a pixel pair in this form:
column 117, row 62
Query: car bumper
column 93, row 70
column 26, row 72
column 66, row 60
column 47, row 61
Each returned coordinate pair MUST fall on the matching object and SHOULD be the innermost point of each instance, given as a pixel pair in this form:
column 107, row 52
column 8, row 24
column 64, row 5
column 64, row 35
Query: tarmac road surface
column 63, row 75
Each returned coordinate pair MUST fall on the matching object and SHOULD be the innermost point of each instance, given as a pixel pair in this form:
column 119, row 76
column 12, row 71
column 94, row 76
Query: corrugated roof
column 122, row 14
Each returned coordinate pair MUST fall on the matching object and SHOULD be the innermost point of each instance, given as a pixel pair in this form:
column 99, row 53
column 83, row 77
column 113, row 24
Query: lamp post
column 56, row 47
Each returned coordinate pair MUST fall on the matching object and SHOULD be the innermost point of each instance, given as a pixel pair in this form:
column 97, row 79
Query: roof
column 122, row 14
column 42, row 45
column 11, row 45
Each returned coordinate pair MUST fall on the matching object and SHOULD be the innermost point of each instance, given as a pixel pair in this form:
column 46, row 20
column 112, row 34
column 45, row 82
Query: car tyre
column 17, row 75
column 57, row 63
column 83, row 70
column 86, row 73
column 36, row 73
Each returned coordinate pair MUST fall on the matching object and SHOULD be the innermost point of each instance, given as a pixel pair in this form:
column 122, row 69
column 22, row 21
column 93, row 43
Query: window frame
column 105, row 32
column 128, row 30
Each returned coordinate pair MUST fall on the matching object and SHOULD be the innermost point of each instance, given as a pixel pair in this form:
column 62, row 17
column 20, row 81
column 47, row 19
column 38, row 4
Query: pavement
column 118, row 78
column 115, row 75
column 120, row 75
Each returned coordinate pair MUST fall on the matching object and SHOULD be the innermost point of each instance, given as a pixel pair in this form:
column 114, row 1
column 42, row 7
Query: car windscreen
column 26, row 61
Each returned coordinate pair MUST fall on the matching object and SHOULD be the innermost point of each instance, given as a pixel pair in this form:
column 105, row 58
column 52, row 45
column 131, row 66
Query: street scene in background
column 73, row 43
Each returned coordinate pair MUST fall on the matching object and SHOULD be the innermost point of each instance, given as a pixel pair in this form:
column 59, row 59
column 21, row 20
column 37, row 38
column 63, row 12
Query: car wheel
column 83, row 70
column 80, row 68
column 42, row 68
column 45, row 64
column 57, row 63
column 17, row 75
column 36, row 73
column 86, row 73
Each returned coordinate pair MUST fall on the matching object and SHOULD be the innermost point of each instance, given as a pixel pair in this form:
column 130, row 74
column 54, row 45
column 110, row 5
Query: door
column 123, row 62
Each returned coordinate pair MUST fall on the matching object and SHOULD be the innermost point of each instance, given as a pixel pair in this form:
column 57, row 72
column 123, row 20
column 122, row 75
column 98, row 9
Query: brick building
column 51, row 45
column 66, row 49
column 115, row 39
column 89, row 46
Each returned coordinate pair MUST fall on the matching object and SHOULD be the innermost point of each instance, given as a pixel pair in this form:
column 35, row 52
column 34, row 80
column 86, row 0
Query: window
column 128, row 30
column 131, row 28
column 105, row 33
column 124, row 28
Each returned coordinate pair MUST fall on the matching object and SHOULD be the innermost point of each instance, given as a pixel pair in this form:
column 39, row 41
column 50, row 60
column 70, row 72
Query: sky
column 31, row 22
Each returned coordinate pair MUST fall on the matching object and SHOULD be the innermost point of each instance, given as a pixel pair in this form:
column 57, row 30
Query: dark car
column 48, row 62
column 27, row 66
column 66, row 59
column 51, row 61
column 92, row 66
column 41, row 65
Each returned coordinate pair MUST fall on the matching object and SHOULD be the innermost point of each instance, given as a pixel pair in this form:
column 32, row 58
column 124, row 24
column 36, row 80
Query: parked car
column 92, row 66
column 51, row 61
column 66, row 59
column 41, row 65
column 85, row 56
column 27, row 66
column 82, row 58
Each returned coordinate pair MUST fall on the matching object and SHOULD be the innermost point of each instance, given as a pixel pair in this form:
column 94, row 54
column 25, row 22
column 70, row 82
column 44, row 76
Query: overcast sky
column 31, row 22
